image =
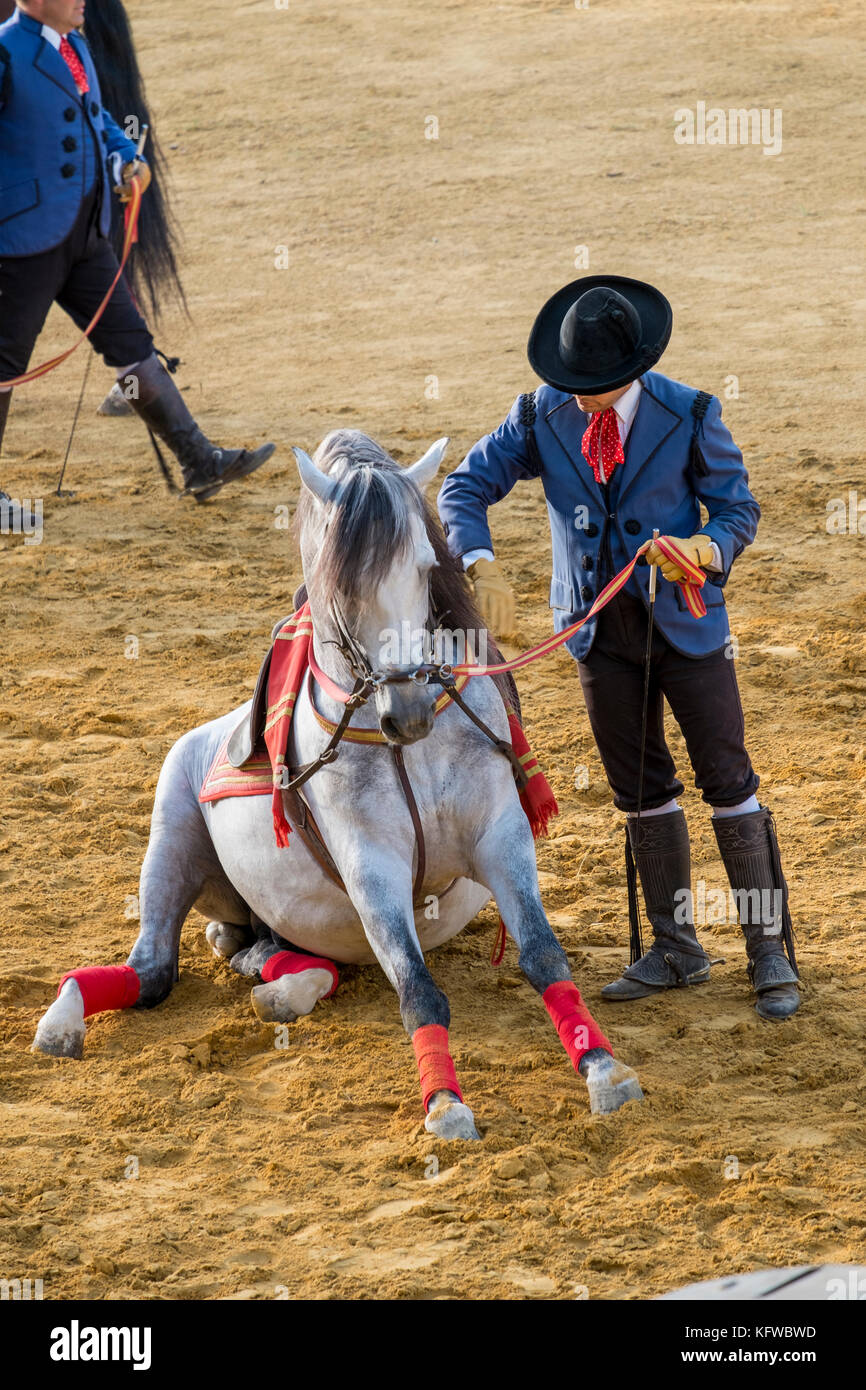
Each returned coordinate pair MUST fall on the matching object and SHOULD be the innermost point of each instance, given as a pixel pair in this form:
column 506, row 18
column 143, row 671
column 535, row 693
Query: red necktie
column 75, row 66
column 602, row 438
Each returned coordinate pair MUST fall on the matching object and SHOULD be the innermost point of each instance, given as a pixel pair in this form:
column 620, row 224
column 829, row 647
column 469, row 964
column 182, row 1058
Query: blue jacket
column 54, row 143
column 658, row 485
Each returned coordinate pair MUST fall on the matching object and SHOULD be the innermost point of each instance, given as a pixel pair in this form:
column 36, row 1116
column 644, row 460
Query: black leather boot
column 15, row 518
column 205, row 467
column 660, row 845
column 750, row 853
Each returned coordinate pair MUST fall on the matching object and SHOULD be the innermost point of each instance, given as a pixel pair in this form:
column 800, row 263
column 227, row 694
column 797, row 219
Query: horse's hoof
column 68, row 1046
column 115, row 402
column 60, row 1031
column 610, row 1084
column 226, row 938
column 451, row 1119
column 291, row 996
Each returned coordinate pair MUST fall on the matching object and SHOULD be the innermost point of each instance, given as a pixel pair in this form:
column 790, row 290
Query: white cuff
column 716, row 562
column 472, row 555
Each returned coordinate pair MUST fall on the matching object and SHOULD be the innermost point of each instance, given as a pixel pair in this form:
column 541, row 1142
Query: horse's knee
column 422, row 1002
column 543, row 960
column 155, row 984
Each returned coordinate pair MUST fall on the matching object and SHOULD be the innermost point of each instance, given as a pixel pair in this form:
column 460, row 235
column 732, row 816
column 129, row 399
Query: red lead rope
column 691, row 589
column 130, row 236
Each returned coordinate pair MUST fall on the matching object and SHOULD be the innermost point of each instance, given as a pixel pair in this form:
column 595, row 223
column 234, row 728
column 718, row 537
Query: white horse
column 374, row 560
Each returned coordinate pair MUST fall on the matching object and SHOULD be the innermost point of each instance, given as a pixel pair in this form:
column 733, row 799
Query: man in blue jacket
column 56, row 139
column 622, row 450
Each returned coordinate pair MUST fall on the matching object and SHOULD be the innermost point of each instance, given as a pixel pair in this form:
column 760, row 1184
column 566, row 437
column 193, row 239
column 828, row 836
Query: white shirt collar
column 52, row 36
column 626, row 407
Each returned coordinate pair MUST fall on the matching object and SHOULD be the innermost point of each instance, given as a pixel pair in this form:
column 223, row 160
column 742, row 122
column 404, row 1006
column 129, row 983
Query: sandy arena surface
column 308, row 1170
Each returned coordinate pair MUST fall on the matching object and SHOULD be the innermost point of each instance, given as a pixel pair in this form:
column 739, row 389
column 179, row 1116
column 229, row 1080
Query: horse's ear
column 425, row 470
column 319, row 483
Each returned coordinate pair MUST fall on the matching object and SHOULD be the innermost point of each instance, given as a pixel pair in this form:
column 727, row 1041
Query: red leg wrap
column 292, row 963
column 105, row 987
column 435, row 1065
column 577, row 1029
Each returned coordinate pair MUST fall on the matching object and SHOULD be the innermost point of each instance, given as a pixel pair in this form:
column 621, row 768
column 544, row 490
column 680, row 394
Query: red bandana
column 75, row 66
column 604, row 431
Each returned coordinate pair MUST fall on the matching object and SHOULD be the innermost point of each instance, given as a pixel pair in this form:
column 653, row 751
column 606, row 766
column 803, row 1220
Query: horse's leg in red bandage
column 447, row 1116
column 180, row 860
column 292, row 985
column 609, row 1082
column 94, row 989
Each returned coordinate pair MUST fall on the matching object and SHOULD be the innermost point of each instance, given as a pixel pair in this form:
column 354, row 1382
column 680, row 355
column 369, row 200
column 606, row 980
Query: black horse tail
column 152, row 266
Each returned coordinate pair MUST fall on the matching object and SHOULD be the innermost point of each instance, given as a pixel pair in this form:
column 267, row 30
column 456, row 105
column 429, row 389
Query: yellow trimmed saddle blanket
column 263, row 770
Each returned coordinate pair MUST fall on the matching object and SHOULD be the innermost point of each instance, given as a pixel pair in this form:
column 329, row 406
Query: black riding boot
column 205, row 467
column 16, row 519
column 750, row 852
column 676, row 957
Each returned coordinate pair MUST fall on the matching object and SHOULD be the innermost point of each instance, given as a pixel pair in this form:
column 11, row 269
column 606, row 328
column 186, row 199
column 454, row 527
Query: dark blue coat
column 657, row 486
column 54, row 143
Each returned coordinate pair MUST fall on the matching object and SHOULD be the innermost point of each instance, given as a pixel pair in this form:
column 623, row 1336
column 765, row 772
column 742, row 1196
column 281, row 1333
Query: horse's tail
column 153, row 264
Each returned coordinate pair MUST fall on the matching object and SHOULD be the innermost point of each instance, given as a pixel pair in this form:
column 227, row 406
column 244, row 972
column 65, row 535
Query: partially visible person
column 55, row 142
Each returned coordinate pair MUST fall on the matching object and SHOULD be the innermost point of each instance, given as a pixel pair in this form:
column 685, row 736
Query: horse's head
column 367, row 564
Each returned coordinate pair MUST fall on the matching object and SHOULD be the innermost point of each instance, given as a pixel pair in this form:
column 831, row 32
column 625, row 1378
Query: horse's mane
column 371, row 528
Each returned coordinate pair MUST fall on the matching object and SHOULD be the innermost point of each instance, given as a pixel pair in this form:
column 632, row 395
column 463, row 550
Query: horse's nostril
column 405, row 731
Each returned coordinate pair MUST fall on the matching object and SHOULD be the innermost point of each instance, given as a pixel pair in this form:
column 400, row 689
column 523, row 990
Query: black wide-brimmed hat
column 599, row 333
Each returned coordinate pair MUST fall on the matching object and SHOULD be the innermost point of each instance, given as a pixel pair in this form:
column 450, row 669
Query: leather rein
column 367, row 681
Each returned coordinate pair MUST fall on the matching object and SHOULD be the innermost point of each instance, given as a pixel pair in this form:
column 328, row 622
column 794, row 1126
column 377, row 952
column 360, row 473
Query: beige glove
column 494, row 596
column 698, row 548
column 123, row 190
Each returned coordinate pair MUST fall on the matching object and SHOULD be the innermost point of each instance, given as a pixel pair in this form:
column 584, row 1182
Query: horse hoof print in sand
column 366, row 780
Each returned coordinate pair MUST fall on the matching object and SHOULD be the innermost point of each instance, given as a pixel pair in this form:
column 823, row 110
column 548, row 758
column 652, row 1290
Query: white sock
column 744, row 808
column 121, row 372
column 665, row 810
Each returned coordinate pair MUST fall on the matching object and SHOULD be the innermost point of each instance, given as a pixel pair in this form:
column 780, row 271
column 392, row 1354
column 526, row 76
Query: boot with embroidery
column 205, row 467
column 750, row 853
column 660, row 845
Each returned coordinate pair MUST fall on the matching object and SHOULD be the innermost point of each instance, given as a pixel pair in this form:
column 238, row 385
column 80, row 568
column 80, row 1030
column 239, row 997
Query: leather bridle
column 359, row 663
column 367, row 681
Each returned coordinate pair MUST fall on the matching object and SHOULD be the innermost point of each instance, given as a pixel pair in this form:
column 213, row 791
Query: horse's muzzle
column 406, row 711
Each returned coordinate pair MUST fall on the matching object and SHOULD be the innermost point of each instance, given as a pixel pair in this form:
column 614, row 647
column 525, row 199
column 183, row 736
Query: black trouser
column 77, row 274
column 703, row 696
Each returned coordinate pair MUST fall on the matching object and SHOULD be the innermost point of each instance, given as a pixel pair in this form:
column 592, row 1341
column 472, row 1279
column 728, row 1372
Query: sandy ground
column 306, row 1171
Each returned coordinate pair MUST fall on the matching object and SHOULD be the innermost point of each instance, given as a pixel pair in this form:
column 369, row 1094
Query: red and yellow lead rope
column 129, row 238
column 690, row 586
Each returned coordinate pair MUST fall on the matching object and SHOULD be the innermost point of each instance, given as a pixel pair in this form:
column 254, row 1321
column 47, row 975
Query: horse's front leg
column 383, row 899
column 505, row 863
